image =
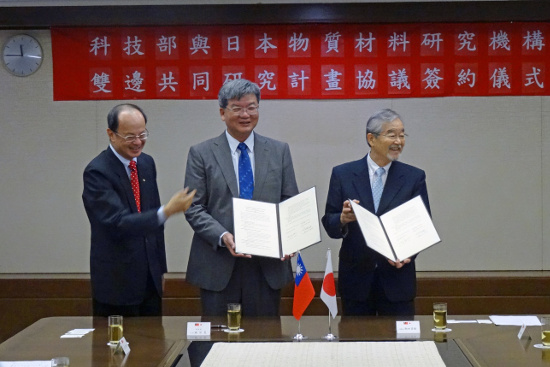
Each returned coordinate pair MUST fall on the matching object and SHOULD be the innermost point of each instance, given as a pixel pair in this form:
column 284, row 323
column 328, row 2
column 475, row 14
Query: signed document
column 400, row 233
column 275, row 230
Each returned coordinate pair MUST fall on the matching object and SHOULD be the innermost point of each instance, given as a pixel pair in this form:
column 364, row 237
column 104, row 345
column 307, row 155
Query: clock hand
column 21, row 49
column 11, row 55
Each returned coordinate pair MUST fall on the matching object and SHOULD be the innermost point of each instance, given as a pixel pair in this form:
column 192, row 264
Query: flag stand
column 299, row 337
column 330, row 336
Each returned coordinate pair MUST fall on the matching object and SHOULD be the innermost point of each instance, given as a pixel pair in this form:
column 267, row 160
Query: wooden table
column 149, row 344
column 159, row 341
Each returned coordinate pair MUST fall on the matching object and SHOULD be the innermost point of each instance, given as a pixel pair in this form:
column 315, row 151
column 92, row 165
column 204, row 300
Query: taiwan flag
column 303, row 289
column 328, row 292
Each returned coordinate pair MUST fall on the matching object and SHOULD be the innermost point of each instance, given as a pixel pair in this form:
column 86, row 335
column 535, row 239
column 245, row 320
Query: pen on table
column 218, row 326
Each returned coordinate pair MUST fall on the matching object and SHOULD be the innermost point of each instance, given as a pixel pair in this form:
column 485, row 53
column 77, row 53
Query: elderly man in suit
column 238, row 163
column 121, row 198
column 370, row 284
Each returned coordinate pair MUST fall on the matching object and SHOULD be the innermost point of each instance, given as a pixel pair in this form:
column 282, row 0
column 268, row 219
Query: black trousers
column 150, row 306
column 377, row 303
column 248, row 287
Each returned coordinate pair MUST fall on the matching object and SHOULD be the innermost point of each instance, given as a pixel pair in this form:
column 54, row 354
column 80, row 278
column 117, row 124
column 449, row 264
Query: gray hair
column 375, row 122
column 236, row 89
column 112, row 117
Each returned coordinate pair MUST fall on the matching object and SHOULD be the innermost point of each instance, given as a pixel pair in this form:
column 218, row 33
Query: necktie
column 246, row 179
column 377, row 187
column 135, row 183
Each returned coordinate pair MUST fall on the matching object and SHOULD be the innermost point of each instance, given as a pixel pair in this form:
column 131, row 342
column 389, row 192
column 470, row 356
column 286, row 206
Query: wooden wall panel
column 24, row 300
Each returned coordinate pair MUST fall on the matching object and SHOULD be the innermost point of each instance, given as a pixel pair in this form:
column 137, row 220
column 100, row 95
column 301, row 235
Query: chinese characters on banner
column 324, row 61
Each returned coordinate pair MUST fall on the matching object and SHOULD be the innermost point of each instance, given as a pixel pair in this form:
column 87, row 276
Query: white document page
column 25, row 363
column 299, row 222
column 256, row 231
column 462, row 321
column 349, row 354
column 410, row 228
column 515, row 320
column 372, row 230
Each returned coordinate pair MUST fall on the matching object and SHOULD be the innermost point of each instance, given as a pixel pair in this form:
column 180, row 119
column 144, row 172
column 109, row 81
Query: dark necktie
column 246, row 178
column 135, row 183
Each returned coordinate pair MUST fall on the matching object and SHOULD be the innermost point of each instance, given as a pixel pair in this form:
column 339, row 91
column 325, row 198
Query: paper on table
column 79, row 331
column 515, row 320
column 461, row 321
column 372, row 354
column 25, row 363
column 76, row 333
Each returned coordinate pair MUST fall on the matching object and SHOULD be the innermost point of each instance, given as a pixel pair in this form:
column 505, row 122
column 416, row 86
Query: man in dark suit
column 222, row 275
column 370, row 284
column 127, row 257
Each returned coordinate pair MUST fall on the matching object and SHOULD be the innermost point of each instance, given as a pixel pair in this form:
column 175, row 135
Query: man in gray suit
column 223, row 275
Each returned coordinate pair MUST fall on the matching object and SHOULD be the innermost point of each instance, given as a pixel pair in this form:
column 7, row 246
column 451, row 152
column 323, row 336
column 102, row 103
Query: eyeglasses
column 251, row 110
column 394, row 136
column 130, row 138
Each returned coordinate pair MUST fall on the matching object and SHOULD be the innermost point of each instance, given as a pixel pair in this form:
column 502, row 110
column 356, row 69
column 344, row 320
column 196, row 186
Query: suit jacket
column 125, row 245
column 210, row 171
column 358, row 262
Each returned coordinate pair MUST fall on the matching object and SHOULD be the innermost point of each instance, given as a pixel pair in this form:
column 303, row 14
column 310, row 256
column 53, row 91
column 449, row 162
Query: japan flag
column 328, row 292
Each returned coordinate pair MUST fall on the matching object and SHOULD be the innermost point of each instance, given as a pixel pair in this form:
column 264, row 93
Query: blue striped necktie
column 377, row 187
column 246, row 178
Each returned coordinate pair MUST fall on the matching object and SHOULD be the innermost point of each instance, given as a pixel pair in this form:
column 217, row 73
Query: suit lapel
column 394, row 183
column 261, row 159
column 362, row 185
column 222, row 153
column 145, row 177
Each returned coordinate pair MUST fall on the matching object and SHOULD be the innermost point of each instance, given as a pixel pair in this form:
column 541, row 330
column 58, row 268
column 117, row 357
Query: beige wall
column 486, row 161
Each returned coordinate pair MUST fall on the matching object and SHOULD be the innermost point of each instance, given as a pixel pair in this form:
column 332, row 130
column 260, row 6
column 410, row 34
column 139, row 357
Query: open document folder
column 275, row 230
column 400, row 233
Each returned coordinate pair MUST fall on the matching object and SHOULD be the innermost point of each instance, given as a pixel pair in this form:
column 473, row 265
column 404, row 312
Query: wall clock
column 22, row 55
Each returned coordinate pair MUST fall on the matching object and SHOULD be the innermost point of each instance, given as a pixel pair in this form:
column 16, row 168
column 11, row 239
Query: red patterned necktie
column 135, row 183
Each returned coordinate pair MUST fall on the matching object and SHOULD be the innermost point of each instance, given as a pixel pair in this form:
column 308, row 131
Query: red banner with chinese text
column 336, row 61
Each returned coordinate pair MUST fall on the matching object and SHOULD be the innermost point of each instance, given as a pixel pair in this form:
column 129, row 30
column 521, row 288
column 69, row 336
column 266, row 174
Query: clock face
column 22, row 55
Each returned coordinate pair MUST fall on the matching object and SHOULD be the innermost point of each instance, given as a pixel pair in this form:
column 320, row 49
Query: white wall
column 486, row 161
